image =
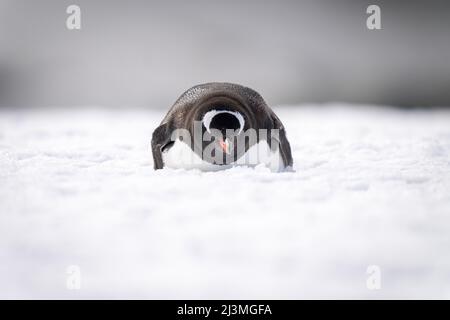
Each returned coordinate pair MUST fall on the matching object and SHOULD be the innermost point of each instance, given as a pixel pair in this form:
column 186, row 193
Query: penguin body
column 215, row 126
column 181, row 156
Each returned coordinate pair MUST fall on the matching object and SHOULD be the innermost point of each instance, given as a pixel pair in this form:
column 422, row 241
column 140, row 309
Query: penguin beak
column 225, row 145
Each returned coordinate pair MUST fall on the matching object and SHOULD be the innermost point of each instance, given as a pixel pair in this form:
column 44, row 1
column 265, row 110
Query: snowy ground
column 371, row 187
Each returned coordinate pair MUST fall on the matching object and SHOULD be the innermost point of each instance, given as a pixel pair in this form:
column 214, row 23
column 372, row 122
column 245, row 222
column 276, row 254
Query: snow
column 371, row 187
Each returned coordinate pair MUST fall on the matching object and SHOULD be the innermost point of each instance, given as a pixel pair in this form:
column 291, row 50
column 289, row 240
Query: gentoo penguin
column 215, row 126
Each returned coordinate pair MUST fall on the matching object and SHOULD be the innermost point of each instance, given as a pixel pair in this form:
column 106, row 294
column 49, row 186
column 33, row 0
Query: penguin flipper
column 283, row 143
column 160, row 138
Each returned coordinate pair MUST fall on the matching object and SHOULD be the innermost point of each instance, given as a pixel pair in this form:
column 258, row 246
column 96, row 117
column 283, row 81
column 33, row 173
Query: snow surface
column 371, row 187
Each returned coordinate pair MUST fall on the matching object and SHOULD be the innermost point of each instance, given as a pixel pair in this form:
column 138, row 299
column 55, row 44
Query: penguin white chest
column 181, row 156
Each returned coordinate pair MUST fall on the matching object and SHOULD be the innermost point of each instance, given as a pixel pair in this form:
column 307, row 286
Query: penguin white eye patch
column 208, row 118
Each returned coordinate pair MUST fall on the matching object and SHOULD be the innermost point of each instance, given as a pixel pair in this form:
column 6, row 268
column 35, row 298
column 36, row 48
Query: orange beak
column 225, row 145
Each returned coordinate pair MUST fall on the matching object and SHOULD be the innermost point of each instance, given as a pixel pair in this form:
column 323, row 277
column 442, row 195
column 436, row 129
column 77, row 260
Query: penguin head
column 225, row 125
column 225, row 117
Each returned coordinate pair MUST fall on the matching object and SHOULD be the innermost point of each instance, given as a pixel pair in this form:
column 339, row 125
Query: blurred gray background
column 146, row 53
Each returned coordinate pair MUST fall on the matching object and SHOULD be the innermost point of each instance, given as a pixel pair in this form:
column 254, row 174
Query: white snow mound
column 371, row 187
